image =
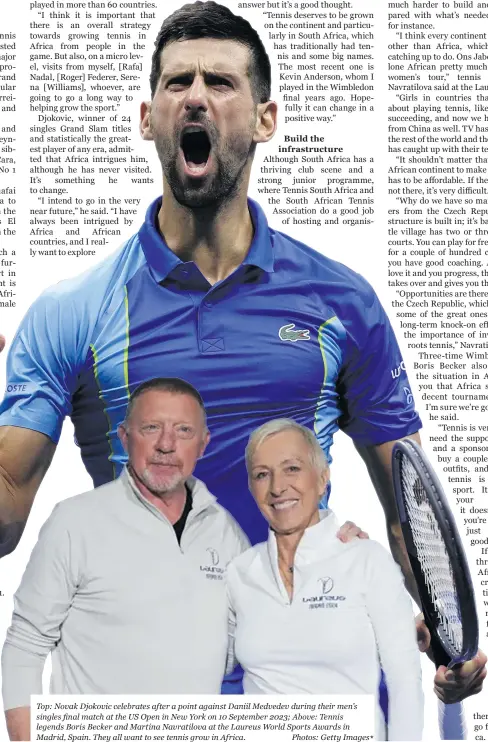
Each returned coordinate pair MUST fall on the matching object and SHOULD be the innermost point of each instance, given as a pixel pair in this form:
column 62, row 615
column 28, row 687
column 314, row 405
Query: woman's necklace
column 287, row 573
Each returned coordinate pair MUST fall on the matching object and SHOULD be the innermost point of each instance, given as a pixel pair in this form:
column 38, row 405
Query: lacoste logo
column 288, row 333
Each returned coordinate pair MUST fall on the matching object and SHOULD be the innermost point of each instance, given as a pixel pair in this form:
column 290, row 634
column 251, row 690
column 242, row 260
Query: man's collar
column 162, row 260
column 261, row 250
column 201, row 497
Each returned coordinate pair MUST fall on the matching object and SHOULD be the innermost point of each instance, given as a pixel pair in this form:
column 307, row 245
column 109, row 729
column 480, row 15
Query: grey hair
column 258, row 436
column 172, row 384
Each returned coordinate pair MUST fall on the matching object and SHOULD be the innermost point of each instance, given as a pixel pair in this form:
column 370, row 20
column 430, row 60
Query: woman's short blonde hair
column 258, row 436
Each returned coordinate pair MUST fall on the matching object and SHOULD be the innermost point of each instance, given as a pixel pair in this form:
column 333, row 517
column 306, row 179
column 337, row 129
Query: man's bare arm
column 18, row 724
column 465, row 680
column 25, row 456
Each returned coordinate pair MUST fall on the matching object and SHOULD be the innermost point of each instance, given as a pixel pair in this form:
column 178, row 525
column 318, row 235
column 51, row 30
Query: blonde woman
column 312, row 614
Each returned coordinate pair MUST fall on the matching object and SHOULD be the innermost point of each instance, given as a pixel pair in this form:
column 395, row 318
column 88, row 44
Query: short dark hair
column 170, row 384
column 213, row 21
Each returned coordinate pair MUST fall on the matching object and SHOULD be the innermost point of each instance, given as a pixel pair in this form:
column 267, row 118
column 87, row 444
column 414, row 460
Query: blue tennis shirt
column 289, row 333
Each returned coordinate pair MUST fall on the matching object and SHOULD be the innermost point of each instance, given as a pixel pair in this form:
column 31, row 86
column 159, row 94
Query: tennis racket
column 439, row 566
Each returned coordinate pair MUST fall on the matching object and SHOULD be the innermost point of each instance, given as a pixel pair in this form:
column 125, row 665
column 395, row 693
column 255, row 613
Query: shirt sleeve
column 43, row 365
column 231, row 625
column 41, row 605
column 376, row 397
column 240, row 544
column 391, row 614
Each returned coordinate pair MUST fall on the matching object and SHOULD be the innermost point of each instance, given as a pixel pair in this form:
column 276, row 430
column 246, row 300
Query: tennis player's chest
column 246, row 332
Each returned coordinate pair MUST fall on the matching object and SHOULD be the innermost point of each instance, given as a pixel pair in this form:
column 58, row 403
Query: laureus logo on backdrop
column 324, row 599
column 212, row 570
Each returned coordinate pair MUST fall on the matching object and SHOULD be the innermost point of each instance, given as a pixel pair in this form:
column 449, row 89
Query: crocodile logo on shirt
column 288, row 333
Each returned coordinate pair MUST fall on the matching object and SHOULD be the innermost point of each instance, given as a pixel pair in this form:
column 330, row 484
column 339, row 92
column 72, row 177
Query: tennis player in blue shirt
column 261, row 324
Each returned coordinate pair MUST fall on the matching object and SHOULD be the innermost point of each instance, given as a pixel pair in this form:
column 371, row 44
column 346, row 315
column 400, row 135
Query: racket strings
column 432, row 555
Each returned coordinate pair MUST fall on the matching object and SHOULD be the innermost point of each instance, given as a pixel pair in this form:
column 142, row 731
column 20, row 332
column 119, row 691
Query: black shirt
column 181, row 522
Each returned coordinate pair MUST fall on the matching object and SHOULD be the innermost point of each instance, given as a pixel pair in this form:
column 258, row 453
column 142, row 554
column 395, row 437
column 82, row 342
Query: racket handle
column 452, row 724
column 451, row 717
column 438, row 652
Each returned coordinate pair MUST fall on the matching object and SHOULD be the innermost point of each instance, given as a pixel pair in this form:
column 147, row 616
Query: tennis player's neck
column 216, row 241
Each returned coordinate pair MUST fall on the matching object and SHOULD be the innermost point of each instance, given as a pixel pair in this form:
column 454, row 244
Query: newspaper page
column 379, row 162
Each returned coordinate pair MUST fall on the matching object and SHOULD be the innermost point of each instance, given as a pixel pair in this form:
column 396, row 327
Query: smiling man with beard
column 263, row 325
column 125, row 586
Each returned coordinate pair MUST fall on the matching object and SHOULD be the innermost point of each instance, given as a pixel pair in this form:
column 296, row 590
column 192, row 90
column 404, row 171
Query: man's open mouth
column 196, row 147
